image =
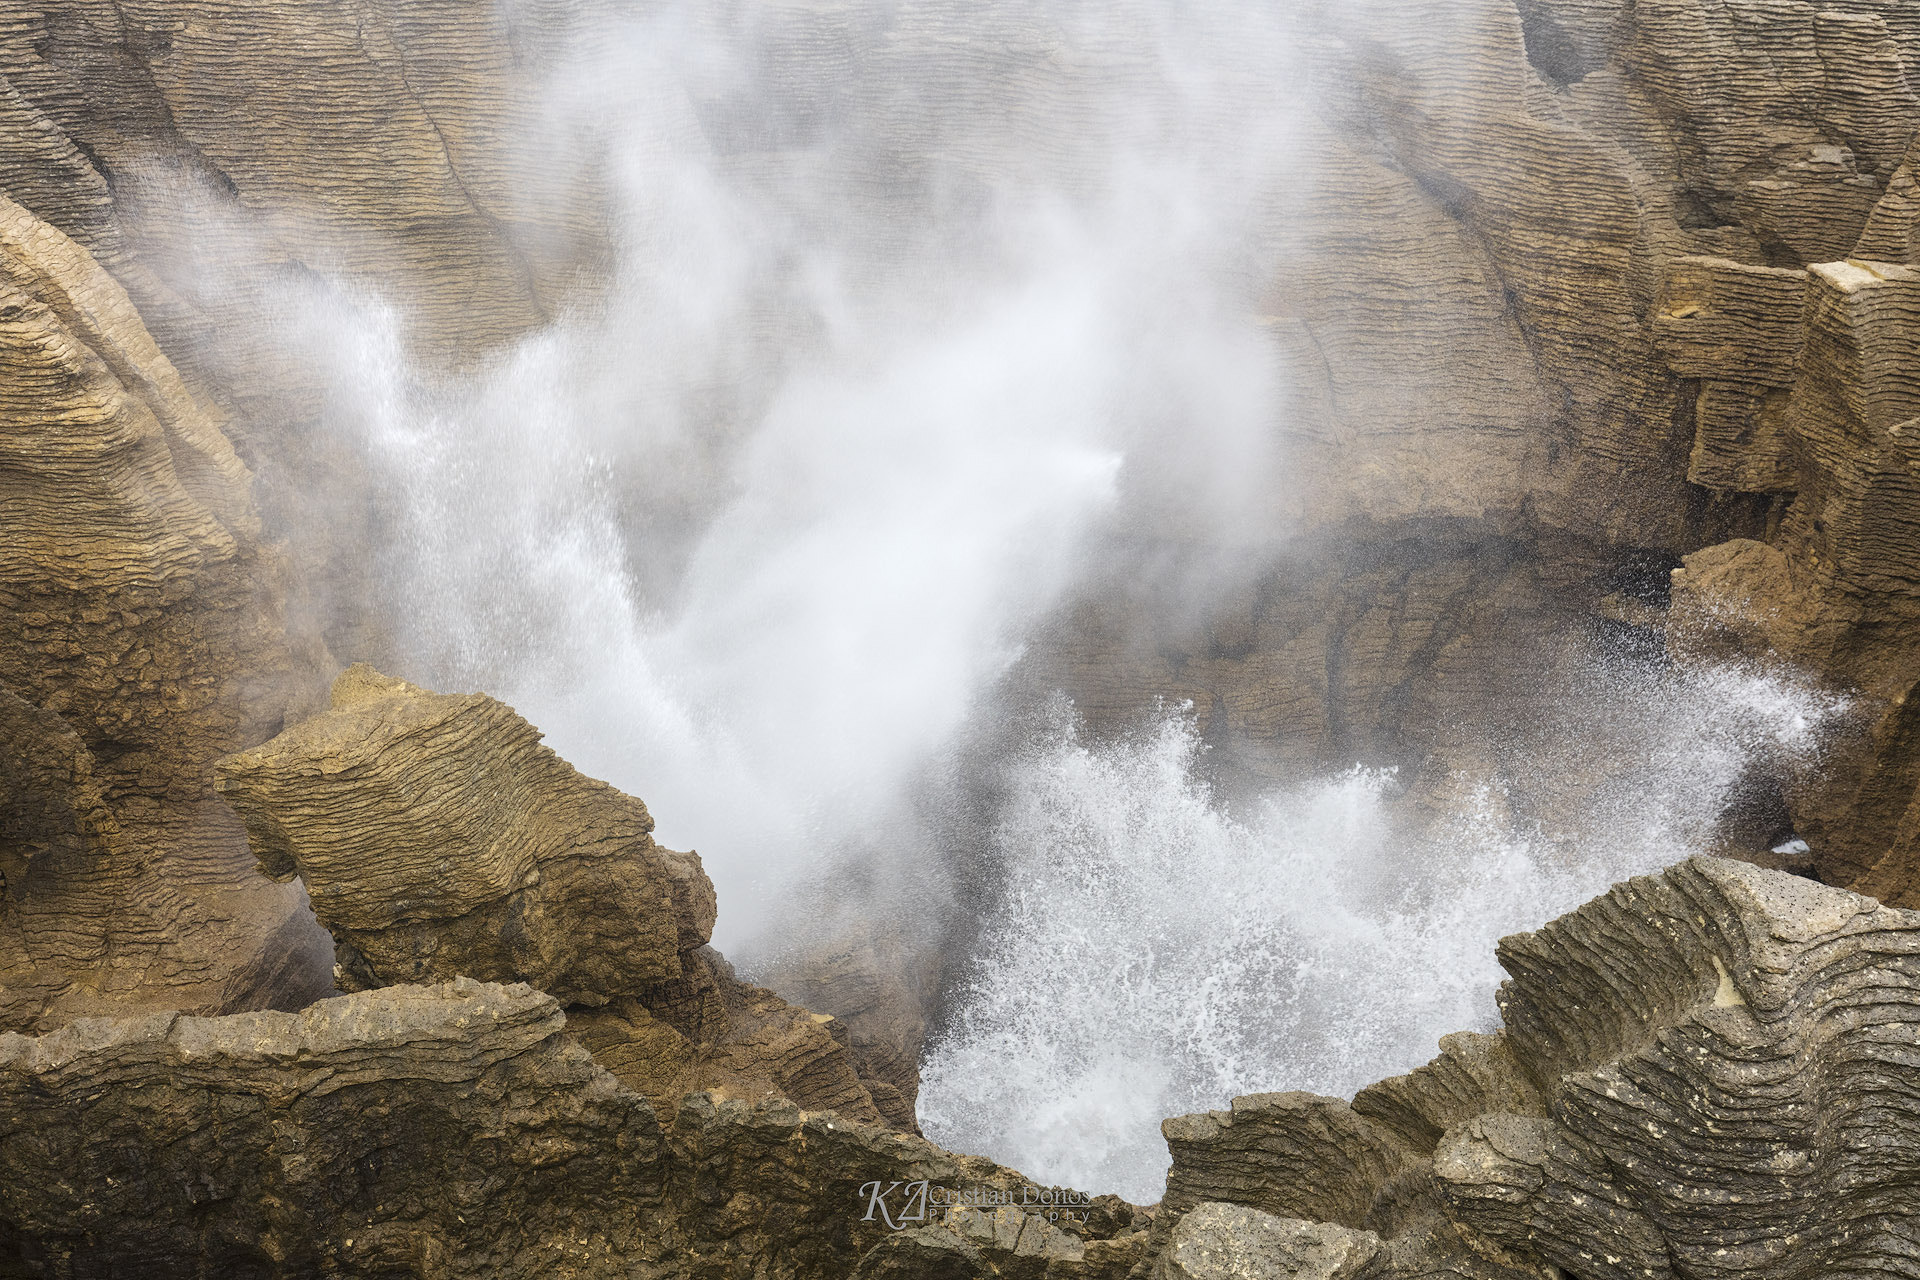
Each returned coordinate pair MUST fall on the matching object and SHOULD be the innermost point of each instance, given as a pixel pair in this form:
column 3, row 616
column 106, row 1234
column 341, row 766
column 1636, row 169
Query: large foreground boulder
column 439, row 839
column 1704, row 1073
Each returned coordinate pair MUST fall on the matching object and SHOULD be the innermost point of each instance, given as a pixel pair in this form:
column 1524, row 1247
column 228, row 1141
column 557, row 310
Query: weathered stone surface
column 1232, row 1242
column 1292, row 1154
column 1703, row 1073
column 147, row 638
column 449, row 1131
column 882, row 990
column 1474, row 1074
column 712, row 1031
column 390, row 143
column 439, row 838
column 1504, row 210
column 1550, row 291
column 457, row 1131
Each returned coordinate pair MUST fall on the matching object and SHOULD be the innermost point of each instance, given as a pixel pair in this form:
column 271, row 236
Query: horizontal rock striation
column 1577, row 292
column 146, row 638
column 450, row 1131
column 1703, row 1073
column 1227, row 1241
column 457, row 1131
column 438, row 838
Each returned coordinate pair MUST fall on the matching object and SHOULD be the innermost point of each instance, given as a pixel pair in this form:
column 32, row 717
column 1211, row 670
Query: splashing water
column 1154, row 954
column 893, row 353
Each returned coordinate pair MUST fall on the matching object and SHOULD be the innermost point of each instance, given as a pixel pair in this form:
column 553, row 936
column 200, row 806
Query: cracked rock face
column 1233, row 1242
column 437, row 837
column 428, row 1131
column 1703, row 1073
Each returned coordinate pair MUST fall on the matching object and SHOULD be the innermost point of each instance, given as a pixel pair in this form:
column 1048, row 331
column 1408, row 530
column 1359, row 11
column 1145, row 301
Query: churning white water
column 1156, row 955
column 917, row 310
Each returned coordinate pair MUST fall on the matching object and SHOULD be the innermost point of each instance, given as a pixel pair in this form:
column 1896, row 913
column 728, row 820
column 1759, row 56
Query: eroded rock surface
column 145, row 638
column 1702, row 1073
column 439, row 838
column 1233, row 1242
column 457, row 1131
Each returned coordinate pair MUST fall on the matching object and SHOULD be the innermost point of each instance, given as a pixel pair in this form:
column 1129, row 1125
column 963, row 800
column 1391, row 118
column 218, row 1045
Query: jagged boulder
column 1703, row 1073
column 1233, row 1242
column 438, row 838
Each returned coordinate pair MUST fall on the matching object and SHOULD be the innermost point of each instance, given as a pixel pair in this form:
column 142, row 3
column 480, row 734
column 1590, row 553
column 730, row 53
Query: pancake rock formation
column 1704, row 1073
column 439, row 839
column 144, row 638
column 459, row 1131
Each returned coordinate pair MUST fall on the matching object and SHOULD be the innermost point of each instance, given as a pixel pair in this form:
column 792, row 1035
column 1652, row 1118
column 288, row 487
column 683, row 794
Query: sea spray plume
column 884, row 356
column 1153, row 953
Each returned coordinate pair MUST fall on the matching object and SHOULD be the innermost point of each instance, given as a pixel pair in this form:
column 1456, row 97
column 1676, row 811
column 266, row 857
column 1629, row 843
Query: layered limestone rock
column 1702, row 1073
column 458, row 1131
column 883, row 990
column 146, row 639
column 442, row 1129
column 1540, row 300
column 1578, row 291
column 391, row 143
column 438, row 838
column 1837, row 590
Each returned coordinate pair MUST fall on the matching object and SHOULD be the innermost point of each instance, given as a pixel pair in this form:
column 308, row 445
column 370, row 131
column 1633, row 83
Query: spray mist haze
column 920, row 322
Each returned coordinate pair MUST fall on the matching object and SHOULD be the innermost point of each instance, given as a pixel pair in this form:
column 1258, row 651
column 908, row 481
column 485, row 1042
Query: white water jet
column 754, row 534
column 1154, row 955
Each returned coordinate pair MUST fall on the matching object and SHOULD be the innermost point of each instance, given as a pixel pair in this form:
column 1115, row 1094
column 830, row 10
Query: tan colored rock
column 882, row 990
column 390, row 143
column 710, row 1031
column 1854, row 415
column 1838, row 591
column 148, row 639
column 468, row 1125
column 1232, row 1242
column 1738, row 329
column 1294, row 1155
column 1698, row 1076
column 459, row 1131
column 439, row 838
